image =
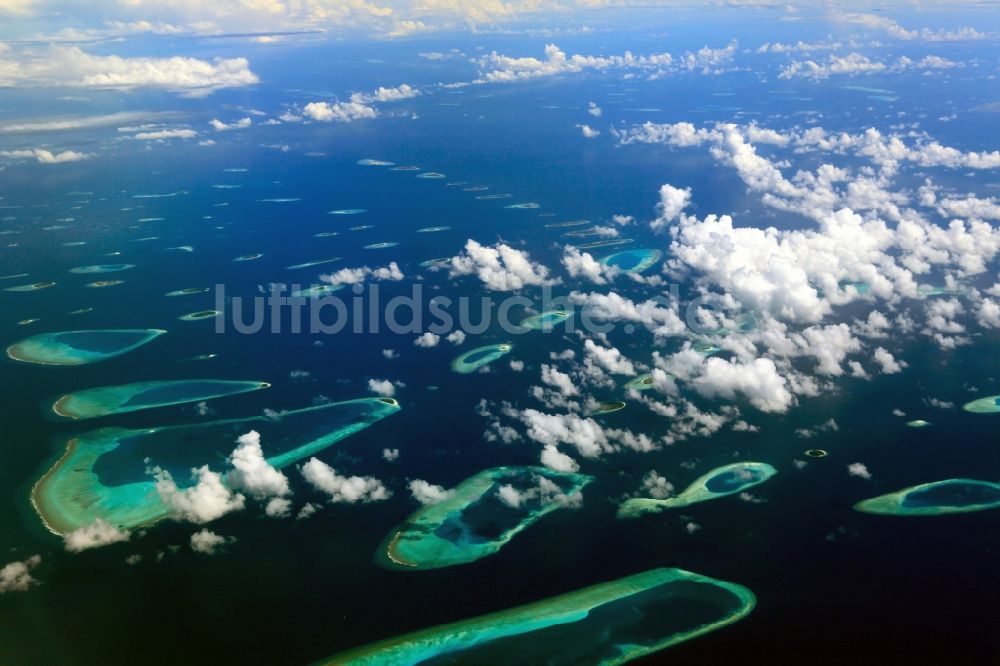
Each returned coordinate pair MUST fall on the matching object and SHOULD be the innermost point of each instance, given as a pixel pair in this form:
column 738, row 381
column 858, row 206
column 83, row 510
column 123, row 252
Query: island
column 935, row 499
column 479, row 517
column 476, row 358
column 608, row 623
column 107, row 400
column 720, row 482
column 105, row 473
column 80, row 347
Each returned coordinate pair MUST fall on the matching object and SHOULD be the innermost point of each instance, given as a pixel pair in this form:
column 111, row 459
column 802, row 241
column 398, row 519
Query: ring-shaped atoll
column 608, row 623
column 107, row 400
column 476, row 358
column 80, row 347
column 720, row 482
column 545, row 321
column 936, row 499
column 477, row 520
column 105, row 473
column 101, row 268
column 988, row 405
column 635, row 260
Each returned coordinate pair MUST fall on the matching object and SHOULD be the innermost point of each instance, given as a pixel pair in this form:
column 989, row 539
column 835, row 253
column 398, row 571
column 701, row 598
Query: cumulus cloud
column 252, row 473
column 208, row 499
column 97, row 534
column 859, row 470
column 341, row 112
column 220, row 126
column 390, row 273
column 428, row 493
column 71, row 66
column 44, row 156
column 500, row 268
column 673, row 201
column 588, row 132
column 207, row 542
column 498, row 68
column 427, row 340
column 854, row 64
column 384, row 387
column 346, row 489
column 16, row 576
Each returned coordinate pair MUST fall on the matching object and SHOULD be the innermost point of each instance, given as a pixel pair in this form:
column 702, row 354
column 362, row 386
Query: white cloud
column 391, row 455
column 97, row 534
column 341, row 112
column 252, row 473
column 557, row 461
column 203, row 502
column 456, row 337
column 588, row 132
column 856, row 63
column 16, row 576
column 559, row 380
column 428, row 493
column 207, row 542
column 594, row 110
column 673, row 201
column 499, row 68
column 164, row 134
column 501, row 268
column 343, row 488
column 220, row 126
column 73, row 67
column 384, row 387
column 427, row 340
column 895, row 30
column 758, row 381
column 45, row 156
column 358, row 275
column 859, row 470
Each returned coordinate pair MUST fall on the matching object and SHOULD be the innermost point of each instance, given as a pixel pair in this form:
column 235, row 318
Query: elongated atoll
column 544, row 321
column 317, row 291
column 936, row 499
column 640, row 383
column 988, row 405
column 476, row 358
column 476, row 520
column 608, row 623
column 101, row 268
column 635, row 260
column 105, row 473
column 720, row 482
column 107, row 400
column 80, row 347
column 200, row 314
column 34, row 286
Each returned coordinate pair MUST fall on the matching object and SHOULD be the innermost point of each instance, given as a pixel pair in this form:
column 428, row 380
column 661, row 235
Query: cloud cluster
column 343, row 489
column 16, row 576
column 500, row 268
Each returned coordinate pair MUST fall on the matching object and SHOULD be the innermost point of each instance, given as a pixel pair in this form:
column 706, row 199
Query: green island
column 608, row 623
column 476, row 358
column 107, row 400
column 316, row 291
column 80, row 347
column 935, row 499
column 545, row 321
column 201, row 314
column 918, row 423
column 988, row 405
column 476, row 520
column 635, row 260
column 720, row 482
column 104, row 473
column 640, row 383
column 101, row 268
column 605, row 243
column 189, row 291
column 606, row 407
column 34, row 286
